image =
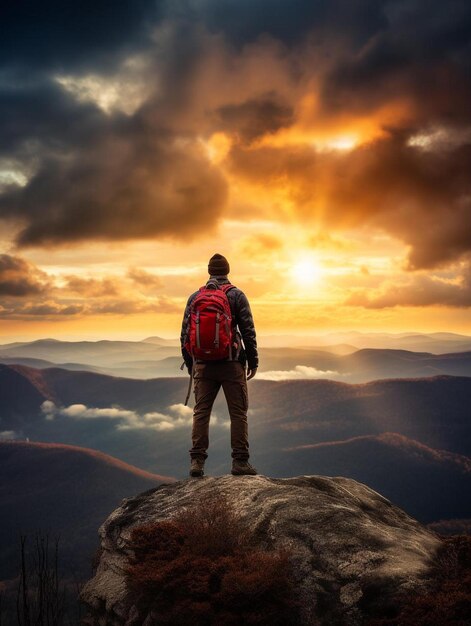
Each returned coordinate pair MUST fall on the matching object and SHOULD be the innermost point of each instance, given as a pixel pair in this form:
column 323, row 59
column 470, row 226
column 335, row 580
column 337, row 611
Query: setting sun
column 306, row 271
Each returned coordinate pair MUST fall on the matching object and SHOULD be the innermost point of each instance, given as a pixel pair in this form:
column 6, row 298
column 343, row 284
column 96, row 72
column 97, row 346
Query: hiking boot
column 197, row 468
column 242, row 468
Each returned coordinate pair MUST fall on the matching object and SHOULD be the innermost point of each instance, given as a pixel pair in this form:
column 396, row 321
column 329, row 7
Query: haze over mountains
column 349, row 357
column 438, row 342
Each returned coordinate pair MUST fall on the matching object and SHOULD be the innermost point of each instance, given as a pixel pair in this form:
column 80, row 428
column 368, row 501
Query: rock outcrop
column 349, row 547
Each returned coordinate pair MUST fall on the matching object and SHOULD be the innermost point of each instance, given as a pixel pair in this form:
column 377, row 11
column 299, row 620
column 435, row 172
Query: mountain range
column 440, row 353
column 295, row 426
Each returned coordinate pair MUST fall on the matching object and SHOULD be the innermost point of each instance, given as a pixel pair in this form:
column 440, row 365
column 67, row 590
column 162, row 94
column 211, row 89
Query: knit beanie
column 218, row 266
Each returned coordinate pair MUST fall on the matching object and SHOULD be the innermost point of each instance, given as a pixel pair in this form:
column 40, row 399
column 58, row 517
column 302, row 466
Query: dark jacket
column 242, row 318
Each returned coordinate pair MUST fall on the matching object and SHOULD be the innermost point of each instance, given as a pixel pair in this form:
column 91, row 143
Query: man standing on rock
column 218, row 340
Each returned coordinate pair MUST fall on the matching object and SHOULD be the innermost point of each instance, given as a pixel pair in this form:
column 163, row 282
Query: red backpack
column 209, row 334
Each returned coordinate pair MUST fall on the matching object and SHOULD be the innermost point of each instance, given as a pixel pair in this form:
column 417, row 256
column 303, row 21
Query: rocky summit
column 349, row 547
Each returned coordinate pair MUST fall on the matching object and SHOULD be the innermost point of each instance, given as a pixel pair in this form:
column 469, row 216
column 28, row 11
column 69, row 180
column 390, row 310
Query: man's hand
column 251, row 373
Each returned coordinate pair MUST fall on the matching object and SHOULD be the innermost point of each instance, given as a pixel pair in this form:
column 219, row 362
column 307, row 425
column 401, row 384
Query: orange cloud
column 144, row 279
column 92, row 287
column 341, row 130
column 20, row 278
column 26, row 292
column 419, row 291
column 259, row 246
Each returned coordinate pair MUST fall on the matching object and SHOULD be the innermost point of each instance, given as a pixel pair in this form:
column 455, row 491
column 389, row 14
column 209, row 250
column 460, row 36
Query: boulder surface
column 350, row 548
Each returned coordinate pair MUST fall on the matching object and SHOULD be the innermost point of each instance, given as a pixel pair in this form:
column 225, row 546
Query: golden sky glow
column 297, row 281
column 326, row 158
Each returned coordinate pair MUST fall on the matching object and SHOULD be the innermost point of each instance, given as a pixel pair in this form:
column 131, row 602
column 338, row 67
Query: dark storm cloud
column 40, row 111
column 290, row 21
column 112, row 189
column 54, row 35
column 424, row 54
column 20, row 278
column 100, row 176
column 106, row 175
column 255, row 117
column 94, row 175
column 419, row 196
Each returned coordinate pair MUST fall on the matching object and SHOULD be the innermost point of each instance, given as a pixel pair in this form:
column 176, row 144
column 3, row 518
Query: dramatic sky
column 323, row 146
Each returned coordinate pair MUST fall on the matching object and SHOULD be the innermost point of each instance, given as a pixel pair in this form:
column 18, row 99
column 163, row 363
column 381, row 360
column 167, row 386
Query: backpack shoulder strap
column 227, row 287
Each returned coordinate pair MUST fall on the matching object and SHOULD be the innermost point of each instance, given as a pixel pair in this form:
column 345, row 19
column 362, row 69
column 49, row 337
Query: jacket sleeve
column 246, row 325
column 186, row 316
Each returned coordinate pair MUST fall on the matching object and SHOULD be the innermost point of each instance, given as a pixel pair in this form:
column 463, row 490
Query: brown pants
column 209, row 377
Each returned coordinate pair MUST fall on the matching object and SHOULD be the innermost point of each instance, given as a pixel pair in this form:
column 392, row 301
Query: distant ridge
column 429, row 483
column 161, row 341
column 43, row 364
column 62, row 489
column 22, row 391
column 66, row 449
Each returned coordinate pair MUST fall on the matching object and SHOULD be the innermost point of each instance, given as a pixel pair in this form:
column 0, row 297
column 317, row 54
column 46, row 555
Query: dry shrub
column 200, row 568
column 447, row 598
column 213, row 528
